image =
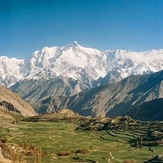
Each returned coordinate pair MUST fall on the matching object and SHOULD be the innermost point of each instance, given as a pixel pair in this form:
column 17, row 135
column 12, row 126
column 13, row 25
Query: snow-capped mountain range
column 80, row 63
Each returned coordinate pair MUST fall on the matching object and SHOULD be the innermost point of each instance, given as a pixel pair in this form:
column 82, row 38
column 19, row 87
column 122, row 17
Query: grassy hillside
column 59, row 142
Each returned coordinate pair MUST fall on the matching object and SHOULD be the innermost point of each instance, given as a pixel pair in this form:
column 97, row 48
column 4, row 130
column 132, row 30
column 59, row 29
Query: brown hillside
column 10, row 102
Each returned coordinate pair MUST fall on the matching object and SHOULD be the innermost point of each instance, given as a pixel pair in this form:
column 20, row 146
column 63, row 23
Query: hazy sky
column 28, row 25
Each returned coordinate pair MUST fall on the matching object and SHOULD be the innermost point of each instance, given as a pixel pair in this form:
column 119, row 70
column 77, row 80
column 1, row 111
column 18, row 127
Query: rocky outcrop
column 9, row 107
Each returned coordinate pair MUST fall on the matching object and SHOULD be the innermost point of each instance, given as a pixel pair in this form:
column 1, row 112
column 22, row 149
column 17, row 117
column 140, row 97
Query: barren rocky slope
column 11, row 103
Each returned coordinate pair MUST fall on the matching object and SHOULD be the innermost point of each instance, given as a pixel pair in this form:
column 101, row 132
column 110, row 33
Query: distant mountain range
column 89, row 81
column 88, row 66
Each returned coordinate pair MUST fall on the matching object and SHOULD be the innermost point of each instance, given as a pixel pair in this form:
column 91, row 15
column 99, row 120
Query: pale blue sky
column 28, row 25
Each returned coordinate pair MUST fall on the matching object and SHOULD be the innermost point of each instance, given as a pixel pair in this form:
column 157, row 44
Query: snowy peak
column 44, row 56
column 133, row 63
column 73, row 60
column 80, row 63
column 10, row 70
column 75, row 44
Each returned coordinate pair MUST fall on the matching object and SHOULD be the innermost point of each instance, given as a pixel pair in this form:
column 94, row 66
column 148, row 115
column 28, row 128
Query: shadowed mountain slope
column 119, row 98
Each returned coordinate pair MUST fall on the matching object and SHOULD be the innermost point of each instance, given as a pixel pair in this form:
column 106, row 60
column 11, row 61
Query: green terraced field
column 54, row 139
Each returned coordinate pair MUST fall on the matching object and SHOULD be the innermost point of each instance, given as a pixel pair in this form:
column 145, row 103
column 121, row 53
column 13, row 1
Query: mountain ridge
column 84, row 64
column 120, row 98
column 131, row 96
